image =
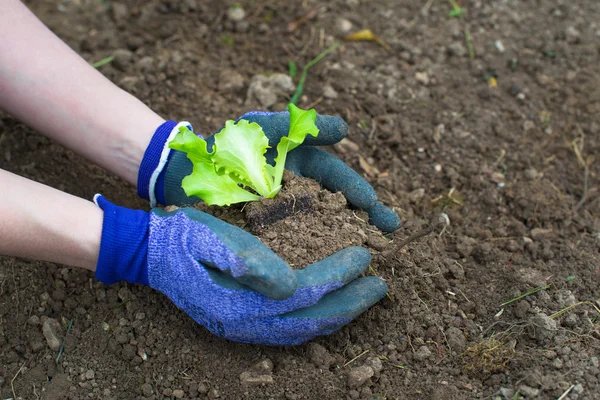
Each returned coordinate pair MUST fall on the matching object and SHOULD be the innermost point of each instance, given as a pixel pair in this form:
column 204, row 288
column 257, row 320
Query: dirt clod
column 319, row 356
column 147, row 389
column 359, row 375
column 543, row 326
column 422, row 354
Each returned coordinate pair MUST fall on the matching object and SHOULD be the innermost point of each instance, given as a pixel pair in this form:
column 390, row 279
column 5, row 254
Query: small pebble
column 202, row 388
column 330, row 93
column 499, row 46
column 147, row 390
column 265, row 366
column 531, row 173
column 423, row 353
column 122, row 59
column 422, row 78
column 236, row 14
column 247, row 378
column 52, row 331
column 343, row 25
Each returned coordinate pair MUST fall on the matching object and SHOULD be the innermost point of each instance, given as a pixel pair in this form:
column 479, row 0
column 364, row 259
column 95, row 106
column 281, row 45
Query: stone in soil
column 53, row 333
column 359, row 375
column 264, row 91
column 230, row 81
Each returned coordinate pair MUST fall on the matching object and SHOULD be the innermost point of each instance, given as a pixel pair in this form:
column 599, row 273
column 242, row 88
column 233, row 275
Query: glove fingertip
column 332, row 129
column 375, row 286
column 384, row 218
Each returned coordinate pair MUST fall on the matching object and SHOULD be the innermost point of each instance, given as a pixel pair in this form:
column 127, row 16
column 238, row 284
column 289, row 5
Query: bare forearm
column 42, row 223
column 48, row 86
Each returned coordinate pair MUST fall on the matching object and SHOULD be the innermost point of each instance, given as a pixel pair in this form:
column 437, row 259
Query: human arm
column 47, row 85
column 39, row 222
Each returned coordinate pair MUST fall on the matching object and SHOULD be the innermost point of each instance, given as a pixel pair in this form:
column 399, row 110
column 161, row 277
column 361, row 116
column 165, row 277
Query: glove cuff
column 124, row 244
column 156, row 157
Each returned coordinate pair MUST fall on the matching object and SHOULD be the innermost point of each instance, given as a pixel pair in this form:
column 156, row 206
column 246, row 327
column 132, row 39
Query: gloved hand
column 228, row 281
column 162, row 169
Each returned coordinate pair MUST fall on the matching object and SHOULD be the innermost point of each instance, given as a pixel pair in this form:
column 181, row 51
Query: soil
column 510, row 160
column 304, row 223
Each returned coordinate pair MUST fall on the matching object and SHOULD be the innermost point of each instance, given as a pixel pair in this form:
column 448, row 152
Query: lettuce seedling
column 237, row 161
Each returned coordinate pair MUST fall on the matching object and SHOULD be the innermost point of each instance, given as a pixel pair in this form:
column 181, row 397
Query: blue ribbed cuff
column 124, row 244
column 152, row 158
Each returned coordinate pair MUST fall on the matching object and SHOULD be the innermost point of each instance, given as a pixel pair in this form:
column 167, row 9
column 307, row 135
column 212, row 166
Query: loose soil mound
column 304, row 223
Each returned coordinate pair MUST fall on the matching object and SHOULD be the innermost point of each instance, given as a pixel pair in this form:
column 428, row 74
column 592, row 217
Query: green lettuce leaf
column 192, row 145
column 238, row 159
column 240, row 152
column 204, row 181
column 302, row 123
column 214, row 189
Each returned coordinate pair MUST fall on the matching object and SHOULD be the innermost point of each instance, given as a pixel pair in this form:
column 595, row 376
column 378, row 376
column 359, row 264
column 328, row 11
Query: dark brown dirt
column 304, row 223
column 430, row 133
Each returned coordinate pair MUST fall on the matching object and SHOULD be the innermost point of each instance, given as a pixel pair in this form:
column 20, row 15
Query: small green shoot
column 517, row 395
column 469, row 42
column 102, row 62
column 292, row 68
column 237, row 159
column 227, row 40
column 269, row 16
column 300, row 87
column 529, row 293
column 570, row 278
column 456, row 11
column 546, row 119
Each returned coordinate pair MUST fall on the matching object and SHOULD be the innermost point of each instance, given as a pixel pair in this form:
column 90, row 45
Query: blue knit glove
column 162, row 169
column 228, row 281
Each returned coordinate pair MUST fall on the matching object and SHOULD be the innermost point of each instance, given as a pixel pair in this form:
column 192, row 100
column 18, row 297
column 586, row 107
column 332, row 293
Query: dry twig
column 442, row 220
column 12, row 381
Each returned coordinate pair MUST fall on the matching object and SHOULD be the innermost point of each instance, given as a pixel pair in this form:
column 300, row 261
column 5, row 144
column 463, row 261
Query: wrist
column 151, row 174
column 124, row 244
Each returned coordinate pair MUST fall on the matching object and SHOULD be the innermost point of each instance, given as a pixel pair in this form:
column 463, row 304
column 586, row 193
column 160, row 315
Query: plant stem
column 102, row 62
column 529, row 293
column 469, row 44
column 308, row 66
